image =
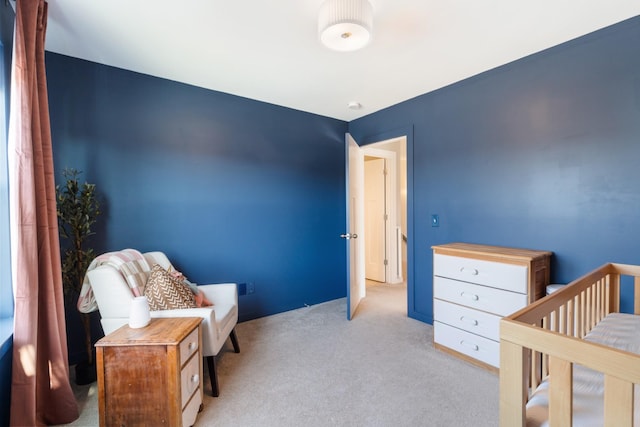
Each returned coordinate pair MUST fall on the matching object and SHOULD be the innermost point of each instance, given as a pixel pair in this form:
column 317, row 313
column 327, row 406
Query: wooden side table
column 151, row 375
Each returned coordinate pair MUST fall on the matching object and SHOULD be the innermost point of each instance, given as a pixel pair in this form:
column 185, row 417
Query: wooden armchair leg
column 234, row 340
column 211, row 364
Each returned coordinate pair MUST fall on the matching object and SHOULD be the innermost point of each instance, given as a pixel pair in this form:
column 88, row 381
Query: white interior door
column 392, row 193
column 354, row 235
column 375, row 214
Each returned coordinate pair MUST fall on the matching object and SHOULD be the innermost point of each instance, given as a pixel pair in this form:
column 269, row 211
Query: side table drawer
column 469, row 344
column 190, row 413
column 190, row 379
column 189, row 345
column 474, row 321
column 483, row 298
column 498, row 275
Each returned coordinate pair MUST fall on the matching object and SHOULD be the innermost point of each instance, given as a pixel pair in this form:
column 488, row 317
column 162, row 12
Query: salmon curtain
column 40, row 391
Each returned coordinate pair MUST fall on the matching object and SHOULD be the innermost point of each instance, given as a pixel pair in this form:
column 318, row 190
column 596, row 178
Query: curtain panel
column 40, row 392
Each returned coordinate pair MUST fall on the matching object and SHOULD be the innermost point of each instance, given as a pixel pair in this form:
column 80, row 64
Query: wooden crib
column 547, row 340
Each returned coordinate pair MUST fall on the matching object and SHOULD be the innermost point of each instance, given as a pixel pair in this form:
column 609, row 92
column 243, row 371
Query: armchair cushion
column 166, row 292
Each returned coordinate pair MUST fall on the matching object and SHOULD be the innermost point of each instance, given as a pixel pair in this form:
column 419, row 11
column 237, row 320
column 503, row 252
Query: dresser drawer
column 190, row 379
column 498, row 275
column 190, row 413
column 474, row 321
column 189, row 345
column 483, row 298
column 469, row 344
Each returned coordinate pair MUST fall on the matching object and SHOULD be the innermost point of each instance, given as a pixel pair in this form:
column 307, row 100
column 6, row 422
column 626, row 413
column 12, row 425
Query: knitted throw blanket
column 129, row 262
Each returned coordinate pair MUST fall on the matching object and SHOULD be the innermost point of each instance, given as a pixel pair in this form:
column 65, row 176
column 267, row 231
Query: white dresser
column 473, row 287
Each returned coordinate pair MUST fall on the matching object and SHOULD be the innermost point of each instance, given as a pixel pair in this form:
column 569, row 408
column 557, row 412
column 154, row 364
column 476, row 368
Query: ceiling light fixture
column 345, row 25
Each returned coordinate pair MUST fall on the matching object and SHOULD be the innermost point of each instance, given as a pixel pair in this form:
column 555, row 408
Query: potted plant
column 78, row 209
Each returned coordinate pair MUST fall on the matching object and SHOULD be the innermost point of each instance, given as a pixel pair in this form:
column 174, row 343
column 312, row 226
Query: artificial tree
column 78, row 209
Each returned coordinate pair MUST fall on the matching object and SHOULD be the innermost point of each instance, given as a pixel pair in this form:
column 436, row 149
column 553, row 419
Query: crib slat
column 581, row 316
column 603, row 300
column 589, row 307
column 636, row 305
column 545, row 358
column 536, row 374
column 571, row 326
column 598, row 305
column 618, row 400
column 560, row 392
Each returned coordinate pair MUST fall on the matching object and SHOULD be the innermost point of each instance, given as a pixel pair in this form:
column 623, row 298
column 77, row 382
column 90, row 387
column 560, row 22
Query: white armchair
column 113, row 297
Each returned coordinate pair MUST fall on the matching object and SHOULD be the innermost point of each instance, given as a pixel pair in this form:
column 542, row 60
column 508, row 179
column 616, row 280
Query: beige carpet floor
column 311, row 367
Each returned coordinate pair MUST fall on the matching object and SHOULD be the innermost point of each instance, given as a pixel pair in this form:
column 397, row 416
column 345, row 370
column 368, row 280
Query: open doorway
column 385, row 212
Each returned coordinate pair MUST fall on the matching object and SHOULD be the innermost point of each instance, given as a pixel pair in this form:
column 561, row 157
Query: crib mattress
column 618, row 330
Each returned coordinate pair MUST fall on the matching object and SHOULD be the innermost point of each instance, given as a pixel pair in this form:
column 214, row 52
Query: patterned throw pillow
column 165, row 292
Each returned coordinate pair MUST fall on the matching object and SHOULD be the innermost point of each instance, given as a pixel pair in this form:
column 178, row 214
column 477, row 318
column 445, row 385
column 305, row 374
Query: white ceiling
column 268, row 50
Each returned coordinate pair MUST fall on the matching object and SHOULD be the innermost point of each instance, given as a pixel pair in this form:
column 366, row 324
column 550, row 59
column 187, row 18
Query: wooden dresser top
column 164, row 331
column 498, row 251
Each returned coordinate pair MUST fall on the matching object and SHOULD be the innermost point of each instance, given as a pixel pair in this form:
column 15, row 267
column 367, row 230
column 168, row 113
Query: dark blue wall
column 541, row 153
column 231, row 189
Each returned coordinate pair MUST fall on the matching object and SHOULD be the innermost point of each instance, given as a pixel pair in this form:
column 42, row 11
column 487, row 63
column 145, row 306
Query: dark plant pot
column 85, row 373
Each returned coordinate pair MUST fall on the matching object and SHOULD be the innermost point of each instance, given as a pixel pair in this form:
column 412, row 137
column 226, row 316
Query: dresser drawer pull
column 472, row 297
column 193, row 345
column 195, row 378
column 471, row 271
column 469, row 320
column 471, row 345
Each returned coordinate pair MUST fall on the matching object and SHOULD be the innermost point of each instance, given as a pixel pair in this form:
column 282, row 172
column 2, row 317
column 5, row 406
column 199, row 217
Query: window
column 6, row 292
